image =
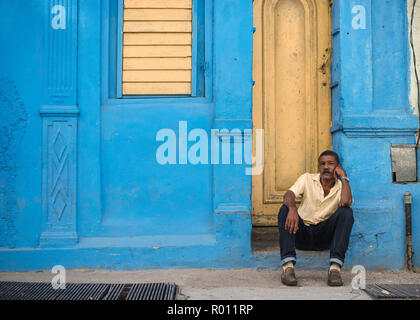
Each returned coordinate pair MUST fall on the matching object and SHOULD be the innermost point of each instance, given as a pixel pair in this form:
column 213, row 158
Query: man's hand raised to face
column 339, row 172
column 292, row 221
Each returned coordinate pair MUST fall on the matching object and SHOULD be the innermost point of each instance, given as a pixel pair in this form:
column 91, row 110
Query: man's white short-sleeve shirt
column 315, row 207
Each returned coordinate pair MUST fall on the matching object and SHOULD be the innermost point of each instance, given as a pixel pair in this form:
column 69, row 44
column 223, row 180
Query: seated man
column 323, row 221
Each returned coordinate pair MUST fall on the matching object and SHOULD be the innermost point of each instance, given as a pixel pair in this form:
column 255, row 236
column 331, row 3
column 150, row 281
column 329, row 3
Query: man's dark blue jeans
column 333, row 234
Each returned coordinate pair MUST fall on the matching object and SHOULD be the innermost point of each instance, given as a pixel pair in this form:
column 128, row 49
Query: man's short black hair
column 329, row 153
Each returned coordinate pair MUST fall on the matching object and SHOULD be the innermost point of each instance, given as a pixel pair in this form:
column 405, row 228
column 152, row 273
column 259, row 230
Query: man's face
column 326, row 166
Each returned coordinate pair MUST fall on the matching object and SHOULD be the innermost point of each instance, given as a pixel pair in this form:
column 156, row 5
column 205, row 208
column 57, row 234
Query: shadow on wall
column 13, row 119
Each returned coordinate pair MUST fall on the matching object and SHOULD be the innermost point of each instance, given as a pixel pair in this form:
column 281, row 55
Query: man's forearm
column 346, row 197
column 289, row 199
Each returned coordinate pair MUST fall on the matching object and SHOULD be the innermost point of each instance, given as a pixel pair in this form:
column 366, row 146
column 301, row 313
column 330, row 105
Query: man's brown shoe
column 334, row 278
column 288, row 277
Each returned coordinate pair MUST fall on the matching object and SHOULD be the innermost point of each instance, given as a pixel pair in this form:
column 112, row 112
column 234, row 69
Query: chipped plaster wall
column 13, row 117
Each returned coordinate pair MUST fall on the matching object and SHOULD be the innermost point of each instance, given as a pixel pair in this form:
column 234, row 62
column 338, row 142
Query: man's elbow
column 346, row 203
column 288, row 195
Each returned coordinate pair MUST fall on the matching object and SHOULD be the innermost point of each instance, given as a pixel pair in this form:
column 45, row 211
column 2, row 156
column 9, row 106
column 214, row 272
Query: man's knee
column 346, row 213
column 282, row 216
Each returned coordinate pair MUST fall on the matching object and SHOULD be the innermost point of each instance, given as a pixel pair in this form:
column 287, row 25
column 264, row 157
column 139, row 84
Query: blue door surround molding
column 370, row 86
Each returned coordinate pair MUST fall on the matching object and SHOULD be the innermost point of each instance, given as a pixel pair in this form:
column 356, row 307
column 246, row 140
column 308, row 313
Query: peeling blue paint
column 13, row 124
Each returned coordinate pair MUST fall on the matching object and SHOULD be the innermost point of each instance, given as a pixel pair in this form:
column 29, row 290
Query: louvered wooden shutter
column 157, row 47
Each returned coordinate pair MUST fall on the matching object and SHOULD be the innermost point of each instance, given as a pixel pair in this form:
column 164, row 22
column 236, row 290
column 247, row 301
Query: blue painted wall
column 132, row 213
column 371, row 111
column 20, row 137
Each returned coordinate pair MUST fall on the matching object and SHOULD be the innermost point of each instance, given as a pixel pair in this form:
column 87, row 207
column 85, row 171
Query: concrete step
column 266, row 251
column 265, row 240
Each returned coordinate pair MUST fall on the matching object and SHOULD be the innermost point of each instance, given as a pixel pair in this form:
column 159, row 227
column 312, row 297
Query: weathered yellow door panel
column 291, row 98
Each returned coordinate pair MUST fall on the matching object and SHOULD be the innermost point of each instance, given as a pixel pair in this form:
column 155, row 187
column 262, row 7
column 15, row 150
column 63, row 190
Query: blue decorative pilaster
column 370, row 113
column 59, row 130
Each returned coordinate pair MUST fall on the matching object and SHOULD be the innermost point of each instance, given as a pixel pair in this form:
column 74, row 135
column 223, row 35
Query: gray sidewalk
column 240, row 284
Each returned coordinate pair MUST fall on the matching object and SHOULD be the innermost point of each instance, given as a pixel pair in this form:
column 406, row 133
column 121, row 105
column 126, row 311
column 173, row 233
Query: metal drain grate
column 87, row 291
column 393, row 291
column 151, row 291
column 114, row 291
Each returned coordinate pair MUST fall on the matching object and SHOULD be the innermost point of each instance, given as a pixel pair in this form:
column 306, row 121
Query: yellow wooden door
column 291, row 96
